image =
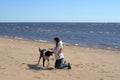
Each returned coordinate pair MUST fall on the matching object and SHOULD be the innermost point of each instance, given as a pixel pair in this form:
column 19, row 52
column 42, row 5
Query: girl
column 58, row 50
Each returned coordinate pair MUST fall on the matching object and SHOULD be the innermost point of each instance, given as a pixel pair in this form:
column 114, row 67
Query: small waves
column 98, row 35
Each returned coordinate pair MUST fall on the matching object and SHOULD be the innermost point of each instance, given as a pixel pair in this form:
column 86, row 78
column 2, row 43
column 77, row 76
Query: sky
column 59, row 10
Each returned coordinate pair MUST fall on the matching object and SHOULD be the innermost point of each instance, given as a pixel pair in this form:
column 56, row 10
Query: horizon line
column 53, row 22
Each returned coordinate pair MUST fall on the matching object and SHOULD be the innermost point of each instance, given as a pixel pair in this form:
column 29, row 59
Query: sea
column 96, row 35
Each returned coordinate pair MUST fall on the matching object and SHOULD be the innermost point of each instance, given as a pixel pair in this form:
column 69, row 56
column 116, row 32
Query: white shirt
column 56, row 50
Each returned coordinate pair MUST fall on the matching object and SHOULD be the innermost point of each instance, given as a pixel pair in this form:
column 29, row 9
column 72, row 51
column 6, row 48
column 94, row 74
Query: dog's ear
column 40, row 50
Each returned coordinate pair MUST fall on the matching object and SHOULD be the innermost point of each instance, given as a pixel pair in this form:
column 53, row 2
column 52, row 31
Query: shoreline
column 66, row 44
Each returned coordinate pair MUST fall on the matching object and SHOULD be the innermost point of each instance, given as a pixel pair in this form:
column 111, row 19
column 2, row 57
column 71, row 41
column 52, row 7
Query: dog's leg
column 39, row 60
column 48, row 62
column 43, row 62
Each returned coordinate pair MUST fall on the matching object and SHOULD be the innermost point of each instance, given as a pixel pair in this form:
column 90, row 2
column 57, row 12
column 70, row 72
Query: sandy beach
column 18, row 58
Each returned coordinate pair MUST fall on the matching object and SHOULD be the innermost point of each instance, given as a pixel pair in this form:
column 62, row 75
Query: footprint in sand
column 77, row 65
column 103, row 65
column 78, row 77
column 104, row 71
column 16, row 61
column 94, row 65
column 2, row 67
column 117, row 74
column 87, row 64
column 10, row 57
column 110, row 76
column 37, row 77
column 101, row 79
column 13, row 58
column 23, row 63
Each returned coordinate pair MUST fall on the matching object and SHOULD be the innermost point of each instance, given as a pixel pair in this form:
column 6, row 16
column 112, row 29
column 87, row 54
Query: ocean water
column 97, row 35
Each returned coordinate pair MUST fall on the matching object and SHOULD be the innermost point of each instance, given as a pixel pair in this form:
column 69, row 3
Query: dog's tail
column 39, row 50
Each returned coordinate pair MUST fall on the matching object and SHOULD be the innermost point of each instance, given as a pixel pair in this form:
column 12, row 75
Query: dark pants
column 59, row 64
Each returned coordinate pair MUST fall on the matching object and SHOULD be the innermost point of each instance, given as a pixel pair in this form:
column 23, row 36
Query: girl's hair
column 57, row 40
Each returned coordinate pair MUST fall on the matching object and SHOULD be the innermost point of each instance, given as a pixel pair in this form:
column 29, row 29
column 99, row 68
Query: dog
column 45, row 54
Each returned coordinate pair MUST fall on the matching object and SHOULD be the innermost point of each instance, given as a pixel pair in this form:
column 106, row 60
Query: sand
column 18, row 58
